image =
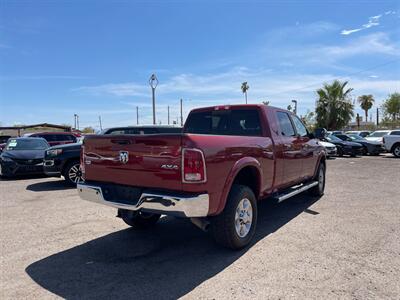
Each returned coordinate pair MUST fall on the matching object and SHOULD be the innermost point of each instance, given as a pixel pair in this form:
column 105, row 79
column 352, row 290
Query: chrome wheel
column 321, row 178
column 243, row 217
column 75, row 174
column 396, row 151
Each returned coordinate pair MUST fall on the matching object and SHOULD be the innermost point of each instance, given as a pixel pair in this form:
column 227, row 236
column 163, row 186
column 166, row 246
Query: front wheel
column 396, row 150
column 72, row 173
column 138, row 219
column 319, row 189
column 235, row 226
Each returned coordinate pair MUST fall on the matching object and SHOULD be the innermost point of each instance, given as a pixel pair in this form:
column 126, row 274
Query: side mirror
column 320, row 133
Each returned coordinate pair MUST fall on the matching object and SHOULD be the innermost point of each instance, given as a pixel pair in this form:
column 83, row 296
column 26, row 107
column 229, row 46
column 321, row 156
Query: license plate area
column 121, row 194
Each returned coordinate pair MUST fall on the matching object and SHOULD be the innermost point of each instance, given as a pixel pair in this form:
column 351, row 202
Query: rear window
column 285, row 124
column 58, row 137
column 143, row 130
column 242, row 122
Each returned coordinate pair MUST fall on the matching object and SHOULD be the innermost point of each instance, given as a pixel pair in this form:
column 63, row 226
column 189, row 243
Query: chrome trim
column 196, row 206
column 183, row 165
column 297, row 191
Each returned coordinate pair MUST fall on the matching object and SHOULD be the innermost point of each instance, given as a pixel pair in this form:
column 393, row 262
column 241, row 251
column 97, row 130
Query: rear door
column 292, row 148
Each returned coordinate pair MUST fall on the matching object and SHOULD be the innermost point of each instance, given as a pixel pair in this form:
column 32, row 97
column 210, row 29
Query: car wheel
column 235, row 226
column 138, row 219
column 319, row 189
column 365, row 151
column 72, row 173
column 396, row 150
column 340, row 151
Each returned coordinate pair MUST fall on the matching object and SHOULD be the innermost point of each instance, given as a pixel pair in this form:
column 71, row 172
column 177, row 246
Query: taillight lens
column 193, row 166
column 82, row 159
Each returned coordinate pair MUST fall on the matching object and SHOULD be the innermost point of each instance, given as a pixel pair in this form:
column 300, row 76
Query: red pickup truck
column 214, row 172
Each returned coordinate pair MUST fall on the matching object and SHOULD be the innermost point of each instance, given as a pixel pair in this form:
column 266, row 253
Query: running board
column 294, row 191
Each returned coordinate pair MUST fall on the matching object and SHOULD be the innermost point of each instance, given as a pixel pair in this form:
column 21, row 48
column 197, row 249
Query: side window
column 395, row 132
column 300, row 128
column 286, row 127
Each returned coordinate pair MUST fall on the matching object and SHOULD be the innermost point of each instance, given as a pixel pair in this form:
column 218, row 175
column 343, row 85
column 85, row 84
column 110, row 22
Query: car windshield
column 378, row 134
column 332, row 138
column 355, row 137
column 26, row 144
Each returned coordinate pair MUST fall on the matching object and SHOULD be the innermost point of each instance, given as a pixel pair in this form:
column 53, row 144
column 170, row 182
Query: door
column 291, row 149
column 307, row 148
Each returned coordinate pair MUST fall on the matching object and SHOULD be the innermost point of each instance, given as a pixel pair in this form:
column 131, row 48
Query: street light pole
column 137, row 115
column 181, row 112
column 101, row 127
column 153, row 82
column 168, row 114
column 377, row 117
column 295, row 106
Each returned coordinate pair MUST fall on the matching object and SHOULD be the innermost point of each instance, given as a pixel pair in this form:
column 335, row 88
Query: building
column 24, row 129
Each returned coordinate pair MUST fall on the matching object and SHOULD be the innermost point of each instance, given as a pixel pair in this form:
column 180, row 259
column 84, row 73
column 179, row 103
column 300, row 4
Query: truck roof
column 238, row 106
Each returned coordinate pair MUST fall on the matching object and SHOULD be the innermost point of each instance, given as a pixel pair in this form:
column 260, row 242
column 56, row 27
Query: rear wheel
column 319, row 189
column 396, row 150
column 340, row 151
column 72, row 173
column 138, row 219
column 235, row 226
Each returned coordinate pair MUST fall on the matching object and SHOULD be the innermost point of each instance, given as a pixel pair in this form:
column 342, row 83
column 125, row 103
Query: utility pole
column 101, row 127
column 358, row 121
column 168, row 114
column 377, row 117
column 137, row 115
column 153, row 82
column 295, row 106
column 181, row 112
column 75, row 121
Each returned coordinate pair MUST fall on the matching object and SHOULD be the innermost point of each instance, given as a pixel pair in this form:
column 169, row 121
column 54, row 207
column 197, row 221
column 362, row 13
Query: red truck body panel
column 155, row 160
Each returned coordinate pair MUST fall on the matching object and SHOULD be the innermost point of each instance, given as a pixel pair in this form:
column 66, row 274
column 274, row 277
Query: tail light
column 82, row 160
column 193, row 166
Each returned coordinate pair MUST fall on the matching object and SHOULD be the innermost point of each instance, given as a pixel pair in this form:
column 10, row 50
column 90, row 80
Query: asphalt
column 344, row 245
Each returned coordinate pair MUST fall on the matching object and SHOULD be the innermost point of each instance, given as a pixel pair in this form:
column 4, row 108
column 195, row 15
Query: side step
column 294, row 191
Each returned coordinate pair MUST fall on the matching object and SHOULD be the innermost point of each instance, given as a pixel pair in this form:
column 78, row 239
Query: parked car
column 361, row 133
column 330, row 148
column 63, row 160
column 4, row 138
column 369, row 147
column 56, row 138
column 392, row 143
column 344, row 147
column 377, row 136
column 150, row 129
column 226, row 159
column 22, row 156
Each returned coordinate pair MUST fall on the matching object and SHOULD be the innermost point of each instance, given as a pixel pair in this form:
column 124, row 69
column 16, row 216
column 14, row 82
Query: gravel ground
column 345, row 245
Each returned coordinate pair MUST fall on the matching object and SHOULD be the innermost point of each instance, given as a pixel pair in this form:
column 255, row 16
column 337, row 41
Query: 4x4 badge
column 123, row 156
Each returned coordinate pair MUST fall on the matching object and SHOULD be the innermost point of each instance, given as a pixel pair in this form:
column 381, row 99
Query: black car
column 369, row 147
column 64, row 160
column 23, row 156
column 345, row 147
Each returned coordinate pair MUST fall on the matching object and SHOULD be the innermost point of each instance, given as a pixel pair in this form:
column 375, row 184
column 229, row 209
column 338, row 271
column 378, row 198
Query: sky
column 94, row 58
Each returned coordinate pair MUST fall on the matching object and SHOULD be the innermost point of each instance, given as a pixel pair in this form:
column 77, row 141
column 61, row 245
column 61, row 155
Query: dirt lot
column 345, row 245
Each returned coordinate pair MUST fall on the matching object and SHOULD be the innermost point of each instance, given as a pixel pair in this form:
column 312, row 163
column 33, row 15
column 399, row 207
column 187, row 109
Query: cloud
column 42, row 77
column 372, row 22
column 115, row 89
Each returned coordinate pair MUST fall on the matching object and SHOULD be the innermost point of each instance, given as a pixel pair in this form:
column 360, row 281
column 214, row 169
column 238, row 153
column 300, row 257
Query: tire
column 340, row 152
column 72, row 173
column 319, row 189
column 365, row 151
column 396, row 150
column 228, row 228
column 137, row 219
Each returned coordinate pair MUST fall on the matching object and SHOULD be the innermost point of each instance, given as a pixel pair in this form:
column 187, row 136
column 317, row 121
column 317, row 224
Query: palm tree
column 334, row 108
column 366, row 102
column 244, row 88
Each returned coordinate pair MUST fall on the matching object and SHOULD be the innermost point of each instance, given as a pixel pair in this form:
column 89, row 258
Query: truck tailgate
column 150, row 161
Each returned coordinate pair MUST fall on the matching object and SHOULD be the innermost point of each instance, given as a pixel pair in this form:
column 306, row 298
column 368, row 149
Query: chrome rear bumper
column 188, row 206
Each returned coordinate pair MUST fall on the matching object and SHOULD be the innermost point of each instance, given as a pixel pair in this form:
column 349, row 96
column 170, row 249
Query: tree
column 334, row 108
column 265, row 102
column 309, row 120
column 366, row 102
column 391, row 106
column 245, row 87
column 88, row 130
